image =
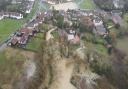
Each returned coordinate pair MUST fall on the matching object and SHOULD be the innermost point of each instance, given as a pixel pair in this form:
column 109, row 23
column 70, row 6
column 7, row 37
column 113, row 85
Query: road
column 2, row 47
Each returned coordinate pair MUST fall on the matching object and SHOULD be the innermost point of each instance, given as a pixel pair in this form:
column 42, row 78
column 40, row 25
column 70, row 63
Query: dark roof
column 24, row 38
column 117, row 19
column 14, row 41
column 24, row 30
column 100, row 29
column 1, row 14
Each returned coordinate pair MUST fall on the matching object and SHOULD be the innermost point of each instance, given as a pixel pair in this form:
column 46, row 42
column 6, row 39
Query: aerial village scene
column 63, row 44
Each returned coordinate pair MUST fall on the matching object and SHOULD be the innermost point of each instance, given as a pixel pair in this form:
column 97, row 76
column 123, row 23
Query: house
column 25, row 34
column 101, row 30
column 24, row 39
column 25, row 31
column 71, row 35
column 34, row 23
column 21, row 37
column 38, row 20
column 117, row 19
column 97, row 21
column 14, row 41
column 119, row 12
column 6, row 14
column 15, row 15
column 99, row 27
column 29, row 6
column 76, row 39
column 1, row 16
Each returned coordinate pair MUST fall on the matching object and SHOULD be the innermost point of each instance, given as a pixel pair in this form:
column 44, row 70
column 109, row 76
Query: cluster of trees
column 105, row 4
column 6, row 5
column 109, row 4
column 126, row 5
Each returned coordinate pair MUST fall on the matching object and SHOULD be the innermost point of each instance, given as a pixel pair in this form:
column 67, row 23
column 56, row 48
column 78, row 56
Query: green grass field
column 87, row 4
column 35, row 42
column 8, row 26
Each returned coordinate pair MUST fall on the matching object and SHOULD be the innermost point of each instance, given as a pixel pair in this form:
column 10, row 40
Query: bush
column 43, row 27
column 101, row 68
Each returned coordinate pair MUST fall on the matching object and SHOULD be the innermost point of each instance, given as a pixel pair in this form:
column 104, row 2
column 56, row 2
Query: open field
column 8, row 26
column 65, row 6
column 87, row 4
column 35, row 42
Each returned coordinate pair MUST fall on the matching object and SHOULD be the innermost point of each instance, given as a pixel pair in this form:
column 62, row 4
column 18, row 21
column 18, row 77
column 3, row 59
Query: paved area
column 2, row 47
column 65, row 6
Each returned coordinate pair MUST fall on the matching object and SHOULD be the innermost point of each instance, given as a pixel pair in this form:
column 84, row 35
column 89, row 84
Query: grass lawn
column 87, row 4
column 35, row 42
column 8, row 26
column 101, row 49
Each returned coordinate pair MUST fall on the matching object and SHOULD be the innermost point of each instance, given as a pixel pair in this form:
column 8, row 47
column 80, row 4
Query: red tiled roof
column 76, row 40
column 25, row 30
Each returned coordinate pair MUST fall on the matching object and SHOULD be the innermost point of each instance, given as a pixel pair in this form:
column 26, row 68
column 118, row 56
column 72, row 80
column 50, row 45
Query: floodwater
column 122, row 44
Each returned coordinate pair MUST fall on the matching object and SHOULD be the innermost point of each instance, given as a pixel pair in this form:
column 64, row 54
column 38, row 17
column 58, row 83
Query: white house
column 28, row 11
column 29, row 6
column 71, row 35
column 6, row 14
column 1, row 16
column 16, row 15
column 31, row 0
column 97, row 22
